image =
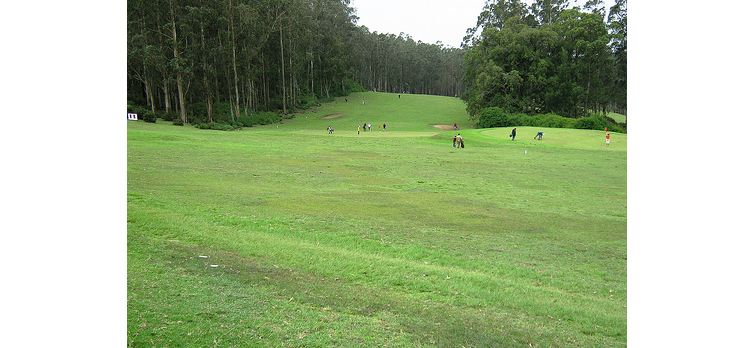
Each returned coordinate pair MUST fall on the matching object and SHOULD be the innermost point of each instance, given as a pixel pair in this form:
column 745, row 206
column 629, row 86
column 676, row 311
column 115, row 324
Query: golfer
column 513, row 134
column 539, row 136
column 608, row 139
column 459, row 141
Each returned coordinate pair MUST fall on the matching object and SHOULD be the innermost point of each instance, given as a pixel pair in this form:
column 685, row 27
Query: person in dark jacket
column 513, row 133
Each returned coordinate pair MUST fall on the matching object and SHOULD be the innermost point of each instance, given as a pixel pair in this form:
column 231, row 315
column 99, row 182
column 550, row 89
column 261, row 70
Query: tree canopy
column 547, row 58
column 208, row 60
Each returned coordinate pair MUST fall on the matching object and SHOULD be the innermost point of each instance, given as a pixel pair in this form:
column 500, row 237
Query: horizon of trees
column 221, row 60
column 547, row 58
column 210, row 60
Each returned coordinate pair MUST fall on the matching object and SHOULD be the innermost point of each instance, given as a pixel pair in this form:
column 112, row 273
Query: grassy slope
column 618, row 117
column 390, row 238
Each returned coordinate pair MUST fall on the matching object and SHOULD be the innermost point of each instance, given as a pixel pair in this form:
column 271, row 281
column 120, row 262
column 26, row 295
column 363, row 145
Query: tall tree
column 563, row 67
column 177, row 61
column 617, row 25
column 546, row 11
column 495, row 14
column 218, row 60
column 596, row 7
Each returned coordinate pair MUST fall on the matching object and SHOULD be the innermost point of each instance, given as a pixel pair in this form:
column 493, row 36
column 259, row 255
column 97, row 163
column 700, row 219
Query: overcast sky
column 428, row 21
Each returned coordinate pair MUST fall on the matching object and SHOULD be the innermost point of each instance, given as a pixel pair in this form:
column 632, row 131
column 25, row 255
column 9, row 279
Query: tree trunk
column 167, row 95
column 181, row 98
column 148, row 93
column 589, row 82
column 181, row 104
column 206, row 80
column 294, row 83
column 283, row 71
column 233, row 51
column 265, row 86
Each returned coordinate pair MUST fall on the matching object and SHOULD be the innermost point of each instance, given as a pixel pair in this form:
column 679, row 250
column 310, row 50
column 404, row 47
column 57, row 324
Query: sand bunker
column 444, row 126
column 332, row 116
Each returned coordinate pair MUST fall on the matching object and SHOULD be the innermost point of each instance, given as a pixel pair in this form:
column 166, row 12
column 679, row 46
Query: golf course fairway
column 285, row 235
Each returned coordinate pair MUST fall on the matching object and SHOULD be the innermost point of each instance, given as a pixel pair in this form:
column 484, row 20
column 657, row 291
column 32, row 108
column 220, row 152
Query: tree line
column 223, row 60
column 547, row 58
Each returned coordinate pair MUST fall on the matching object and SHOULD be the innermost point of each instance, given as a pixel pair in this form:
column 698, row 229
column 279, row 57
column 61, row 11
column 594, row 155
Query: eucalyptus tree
column 595, row 6
column 512, row 68
column 617, row 25
column 561, row 65
column 143, row 56
column 495, row 14
column 332, row 45
column 178, row 62
column 547, row 11
column 202, row 21
column 223, row 59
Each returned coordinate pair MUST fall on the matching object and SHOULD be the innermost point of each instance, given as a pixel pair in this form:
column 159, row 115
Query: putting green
column 368, row 134
column 575, row 138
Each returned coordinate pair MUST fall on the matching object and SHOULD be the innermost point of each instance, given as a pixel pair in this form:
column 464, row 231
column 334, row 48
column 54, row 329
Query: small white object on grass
column 213, row 266
column 204, row 257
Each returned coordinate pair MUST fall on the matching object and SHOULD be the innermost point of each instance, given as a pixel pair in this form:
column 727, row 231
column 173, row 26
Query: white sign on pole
column 133, row 117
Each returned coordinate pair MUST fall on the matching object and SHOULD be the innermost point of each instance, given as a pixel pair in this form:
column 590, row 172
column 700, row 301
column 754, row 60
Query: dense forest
column 206, row 61
column 546, row 58
column 225, row 60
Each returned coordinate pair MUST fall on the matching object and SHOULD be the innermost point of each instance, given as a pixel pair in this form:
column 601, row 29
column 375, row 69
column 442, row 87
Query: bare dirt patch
column 444, row 126
column 332, row 116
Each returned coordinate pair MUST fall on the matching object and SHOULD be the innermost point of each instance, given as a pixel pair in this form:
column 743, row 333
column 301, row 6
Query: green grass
column 618, row 117
column 384, row 239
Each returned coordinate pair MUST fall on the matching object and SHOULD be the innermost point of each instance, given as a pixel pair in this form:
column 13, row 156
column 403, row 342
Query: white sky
column 428, row 21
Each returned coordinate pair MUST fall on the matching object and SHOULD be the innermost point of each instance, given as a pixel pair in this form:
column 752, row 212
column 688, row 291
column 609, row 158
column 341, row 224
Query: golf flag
column 133, row 117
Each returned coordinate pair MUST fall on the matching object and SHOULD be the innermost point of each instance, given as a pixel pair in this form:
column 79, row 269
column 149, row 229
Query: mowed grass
column 286, row 236
column 618, row 117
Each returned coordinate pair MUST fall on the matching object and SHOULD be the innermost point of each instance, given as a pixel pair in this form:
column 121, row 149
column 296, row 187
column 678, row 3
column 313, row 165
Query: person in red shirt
column 608, row 139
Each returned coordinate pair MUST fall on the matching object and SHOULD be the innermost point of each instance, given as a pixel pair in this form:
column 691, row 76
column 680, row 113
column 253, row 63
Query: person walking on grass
column 383, row 126
column 358, row 129
column 459, row 141
column 608, row 139
column 513, row 134
column 454, row 141
column 330, row 130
